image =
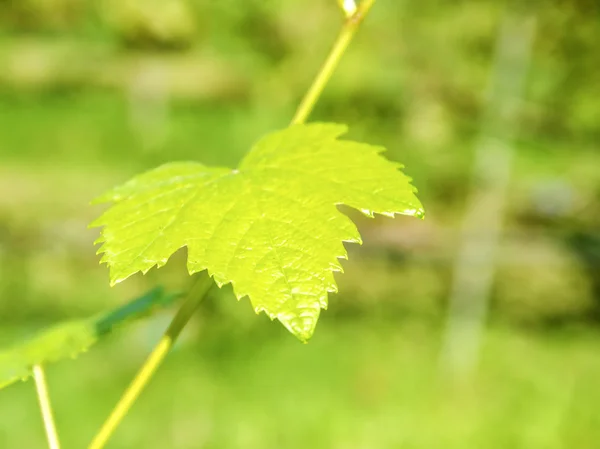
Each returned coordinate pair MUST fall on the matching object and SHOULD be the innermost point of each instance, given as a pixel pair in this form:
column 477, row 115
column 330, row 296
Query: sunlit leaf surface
column 271, row 228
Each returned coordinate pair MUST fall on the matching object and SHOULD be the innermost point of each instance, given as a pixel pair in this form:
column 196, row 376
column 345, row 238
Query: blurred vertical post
column 482, row 223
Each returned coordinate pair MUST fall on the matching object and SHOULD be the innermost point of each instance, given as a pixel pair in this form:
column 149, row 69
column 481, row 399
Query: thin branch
column 150, row 366
column 45, row 406
column 185, row 312
column 335, row 55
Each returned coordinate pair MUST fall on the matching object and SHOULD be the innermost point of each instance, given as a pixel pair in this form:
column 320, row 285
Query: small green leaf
column 270, row 228
column 71, row 338
column 59, row 342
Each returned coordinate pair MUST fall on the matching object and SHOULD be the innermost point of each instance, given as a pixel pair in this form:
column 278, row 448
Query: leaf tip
column 418, row 212
column 117, row 279
column 303, row 326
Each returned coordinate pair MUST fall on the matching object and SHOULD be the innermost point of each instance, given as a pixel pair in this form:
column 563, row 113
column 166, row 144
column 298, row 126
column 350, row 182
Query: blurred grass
column 92, row 93
column 356, row 385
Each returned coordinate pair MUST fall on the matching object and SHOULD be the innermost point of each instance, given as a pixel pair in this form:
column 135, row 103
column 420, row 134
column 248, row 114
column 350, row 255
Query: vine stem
column 150, row 366
column 41, row 388
column 193, row 300
column 335, row 55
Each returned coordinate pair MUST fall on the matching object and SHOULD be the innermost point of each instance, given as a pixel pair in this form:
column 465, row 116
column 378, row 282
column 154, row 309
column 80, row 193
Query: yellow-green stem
column 45, row 407
column 185, row 312
column 335, row 55
column 150, row 366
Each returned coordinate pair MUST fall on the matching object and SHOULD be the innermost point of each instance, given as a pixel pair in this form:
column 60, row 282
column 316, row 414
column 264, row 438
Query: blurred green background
column 93, row 92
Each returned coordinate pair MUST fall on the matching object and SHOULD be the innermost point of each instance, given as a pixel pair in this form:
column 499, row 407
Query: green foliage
column 270, row 228
column 69, row 339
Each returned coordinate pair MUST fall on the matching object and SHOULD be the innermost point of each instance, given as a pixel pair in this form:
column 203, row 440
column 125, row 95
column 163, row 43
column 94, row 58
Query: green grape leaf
column 71, row 338
column 271, row 228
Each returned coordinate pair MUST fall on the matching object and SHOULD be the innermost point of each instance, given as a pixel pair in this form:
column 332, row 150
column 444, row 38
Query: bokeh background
column 476, row 328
